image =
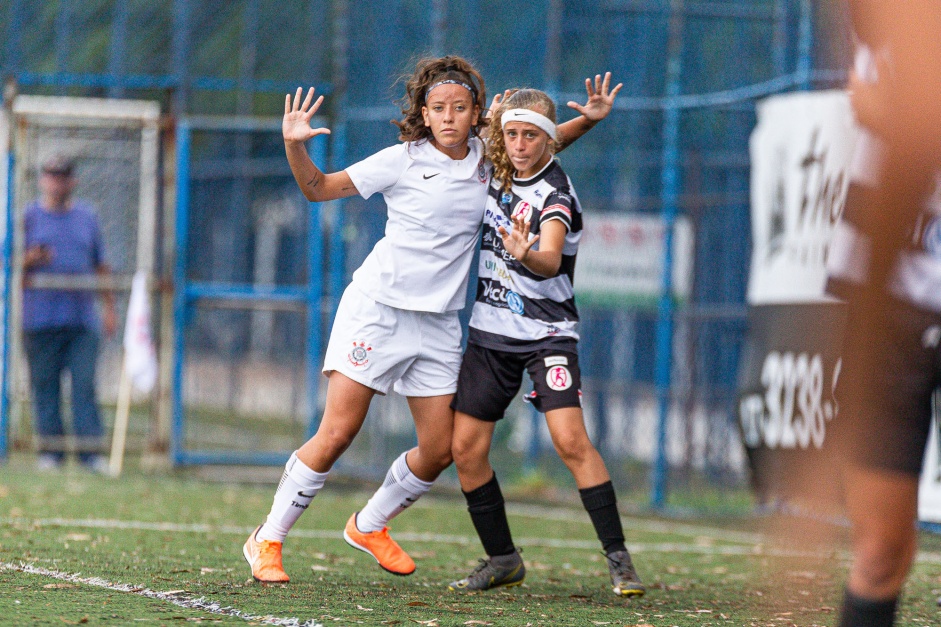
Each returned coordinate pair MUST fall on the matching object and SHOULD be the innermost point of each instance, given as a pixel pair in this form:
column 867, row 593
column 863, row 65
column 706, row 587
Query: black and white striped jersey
column 916, row 277
column 517, row 310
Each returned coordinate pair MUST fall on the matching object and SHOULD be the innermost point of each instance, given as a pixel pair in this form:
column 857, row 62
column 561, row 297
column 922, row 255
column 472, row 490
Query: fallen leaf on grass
column 78, row 537
column 477, row 622
column 364, row 609
column 416, row 604
column 173, row 592
column 55, row 586
column 428, row 623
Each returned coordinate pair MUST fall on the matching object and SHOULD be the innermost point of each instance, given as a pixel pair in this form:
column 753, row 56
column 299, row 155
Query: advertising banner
column 620, row 260
column 800, row 152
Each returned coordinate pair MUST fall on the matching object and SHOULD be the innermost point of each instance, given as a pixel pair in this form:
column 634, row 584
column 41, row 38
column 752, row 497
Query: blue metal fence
column 676, row 143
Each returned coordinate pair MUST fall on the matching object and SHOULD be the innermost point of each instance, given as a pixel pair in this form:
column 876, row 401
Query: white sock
column 400, row 489
column 299, row 485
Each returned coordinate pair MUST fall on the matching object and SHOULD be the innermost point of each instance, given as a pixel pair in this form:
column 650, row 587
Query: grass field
column 165, row 549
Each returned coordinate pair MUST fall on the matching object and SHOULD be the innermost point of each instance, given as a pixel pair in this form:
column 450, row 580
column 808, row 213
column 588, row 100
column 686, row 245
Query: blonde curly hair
column 429, row 71
column 533, row 99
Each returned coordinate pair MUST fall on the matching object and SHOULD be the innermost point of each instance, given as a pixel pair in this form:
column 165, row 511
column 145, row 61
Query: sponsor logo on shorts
column 559, row 378
column 515, row 302
column 358, row 357
column 523, row 211
column 556, row 360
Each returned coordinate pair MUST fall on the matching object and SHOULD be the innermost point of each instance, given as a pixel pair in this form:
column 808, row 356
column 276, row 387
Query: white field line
column 700, row 547
column 175, row 597
column 697, row 548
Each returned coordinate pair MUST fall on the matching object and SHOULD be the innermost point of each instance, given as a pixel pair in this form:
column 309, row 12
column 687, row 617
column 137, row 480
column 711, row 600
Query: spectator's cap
column 59, row 165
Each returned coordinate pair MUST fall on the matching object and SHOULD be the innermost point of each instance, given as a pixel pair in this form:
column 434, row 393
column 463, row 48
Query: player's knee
column 333, row 442
column 884, row 565
column 572, row 447
column 465, row 453
column 437, row 456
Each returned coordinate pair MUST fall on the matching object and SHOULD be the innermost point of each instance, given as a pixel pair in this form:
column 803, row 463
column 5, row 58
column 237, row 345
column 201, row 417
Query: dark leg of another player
column 567, row 427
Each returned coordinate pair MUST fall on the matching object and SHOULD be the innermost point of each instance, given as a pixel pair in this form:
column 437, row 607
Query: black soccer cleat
column 495, row 572
column 624, row 579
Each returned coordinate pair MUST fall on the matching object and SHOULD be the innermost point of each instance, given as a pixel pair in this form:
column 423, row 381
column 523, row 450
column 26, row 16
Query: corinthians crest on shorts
column 359, row 355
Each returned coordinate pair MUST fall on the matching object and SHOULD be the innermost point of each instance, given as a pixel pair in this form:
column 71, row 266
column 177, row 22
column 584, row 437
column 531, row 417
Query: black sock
column 488, row 512
column 602, row 507
column 860, row 612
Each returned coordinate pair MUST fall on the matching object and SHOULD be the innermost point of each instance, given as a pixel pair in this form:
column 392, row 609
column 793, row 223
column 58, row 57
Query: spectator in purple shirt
column 61, row 327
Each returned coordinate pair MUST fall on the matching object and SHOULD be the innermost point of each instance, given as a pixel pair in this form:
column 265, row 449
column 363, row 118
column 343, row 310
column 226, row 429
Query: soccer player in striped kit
column 524, row 320
column 885, row 261
column 397, row 325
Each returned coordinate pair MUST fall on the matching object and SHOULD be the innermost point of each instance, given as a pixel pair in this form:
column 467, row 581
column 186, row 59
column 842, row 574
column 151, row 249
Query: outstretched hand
column 600, row 98
column 297, row 115
column 497, row 99
column 517, row 242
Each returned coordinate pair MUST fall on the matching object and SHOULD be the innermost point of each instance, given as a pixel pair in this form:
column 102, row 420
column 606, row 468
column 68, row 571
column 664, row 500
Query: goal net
column 114, row 145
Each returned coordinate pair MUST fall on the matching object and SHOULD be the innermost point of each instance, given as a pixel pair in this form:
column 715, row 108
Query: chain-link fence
column 676, row 144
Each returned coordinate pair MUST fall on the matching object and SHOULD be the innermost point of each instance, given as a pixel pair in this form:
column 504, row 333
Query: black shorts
column 891, row 369
column 490, row 379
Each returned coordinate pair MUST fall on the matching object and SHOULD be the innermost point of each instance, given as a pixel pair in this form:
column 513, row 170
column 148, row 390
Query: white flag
column 140, row 358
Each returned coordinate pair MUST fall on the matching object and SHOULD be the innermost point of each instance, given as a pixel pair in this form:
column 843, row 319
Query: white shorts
column 415, row 353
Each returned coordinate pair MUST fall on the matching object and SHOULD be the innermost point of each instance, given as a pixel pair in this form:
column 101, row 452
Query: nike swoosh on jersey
column 428, row 176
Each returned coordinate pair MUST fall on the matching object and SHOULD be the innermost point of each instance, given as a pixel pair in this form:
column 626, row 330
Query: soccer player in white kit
column 397, row 324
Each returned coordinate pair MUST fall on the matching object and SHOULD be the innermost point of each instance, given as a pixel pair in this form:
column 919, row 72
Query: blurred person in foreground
column 885, row 261
column 60, row 327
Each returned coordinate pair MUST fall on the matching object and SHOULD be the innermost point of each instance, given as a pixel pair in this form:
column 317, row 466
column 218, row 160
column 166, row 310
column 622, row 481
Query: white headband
column 528, row 115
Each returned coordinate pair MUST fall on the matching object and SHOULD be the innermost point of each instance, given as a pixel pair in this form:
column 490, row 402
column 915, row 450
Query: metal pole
column 181, row 53
column 552, row 62
column 439, row 26
column 7, row 283
column 804, row 43
column 340, row 72
column 120, row 16
column 779, row 38
column 180, row 304
column 670, row 185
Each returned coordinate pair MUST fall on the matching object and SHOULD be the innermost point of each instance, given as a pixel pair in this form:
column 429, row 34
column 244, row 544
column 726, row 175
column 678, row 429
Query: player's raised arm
column 596, row 108
column 295, row 127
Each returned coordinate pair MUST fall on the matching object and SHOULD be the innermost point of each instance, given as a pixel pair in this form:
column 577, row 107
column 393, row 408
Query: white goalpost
column 115, row 145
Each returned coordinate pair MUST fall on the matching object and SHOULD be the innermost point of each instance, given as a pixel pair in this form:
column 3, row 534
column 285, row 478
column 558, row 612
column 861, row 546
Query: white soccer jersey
column 516, row 309
column 435, row 209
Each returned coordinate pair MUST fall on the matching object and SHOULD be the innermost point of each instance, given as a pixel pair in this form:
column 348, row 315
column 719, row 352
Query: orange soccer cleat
column 264, row 556
column 384, row 549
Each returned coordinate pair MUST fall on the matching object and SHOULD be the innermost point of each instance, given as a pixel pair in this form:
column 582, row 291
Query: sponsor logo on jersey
column 506, row 198
column 515, row 302
column 497, row 219
column 552, row 330
column 556, row 360
column 559, row 378
column 358, row 357
column 494, row 293
column 523, row 211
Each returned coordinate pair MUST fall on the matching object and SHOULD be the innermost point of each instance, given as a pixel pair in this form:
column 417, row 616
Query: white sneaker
column 97, row 464
column 48, row 462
